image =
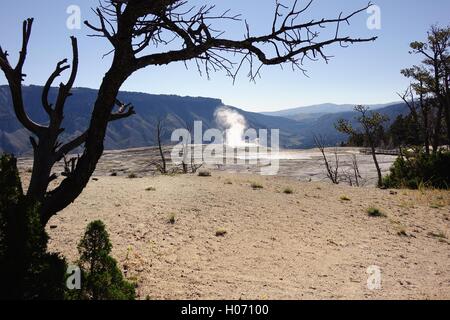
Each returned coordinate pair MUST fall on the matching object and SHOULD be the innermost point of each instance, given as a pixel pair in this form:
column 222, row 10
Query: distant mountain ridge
column 324, row 108
column 139, row 130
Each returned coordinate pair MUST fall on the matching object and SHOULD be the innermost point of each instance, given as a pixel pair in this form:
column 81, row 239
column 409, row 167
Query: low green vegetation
column 345, row 198
column 28, row 271
column 375, row 212
column 288, row 190
column 101, row 277
column 420, row 170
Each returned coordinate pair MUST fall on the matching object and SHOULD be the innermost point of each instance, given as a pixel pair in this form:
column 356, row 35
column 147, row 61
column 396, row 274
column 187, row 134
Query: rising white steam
column 234, row 123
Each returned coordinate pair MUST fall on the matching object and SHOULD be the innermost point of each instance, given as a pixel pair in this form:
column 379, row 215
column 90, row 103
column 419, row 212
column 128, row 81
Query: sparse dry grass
column 433, row 198
column 438, row 235
column 172, row 218
column 256, row 186
column 375, row 212
column 401, row 231
column 288, row 190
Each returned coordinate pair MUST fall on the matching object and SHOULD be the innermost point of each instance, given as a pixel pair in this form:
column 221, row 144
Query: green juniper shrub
column 420, row 169
column 101, row 277
column 27, row 271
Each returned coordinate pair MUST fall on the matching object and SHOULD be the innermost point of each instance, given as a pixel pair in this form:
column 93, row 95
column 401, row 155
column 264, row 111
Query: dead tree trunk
column 159, row 130
column 437, row 128
column 332, row 171
column 426, row 125
column 375, row 161
column 447, row 99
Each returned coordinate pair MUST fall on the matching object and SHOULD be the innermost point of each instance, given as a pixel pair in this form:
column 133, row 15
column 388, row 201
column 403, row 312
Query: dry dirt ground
column 311, row 244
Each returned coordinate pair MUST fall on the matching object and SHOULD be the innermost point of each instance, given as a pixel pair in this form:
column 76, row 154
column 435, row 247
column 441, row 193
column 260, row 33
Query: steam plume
column 234, row 123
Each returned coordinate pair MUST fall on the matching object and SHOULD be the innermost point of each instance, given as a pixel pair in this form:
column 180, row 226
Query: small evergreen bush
column 27, row 271
column 101, row 277
column 420, row 169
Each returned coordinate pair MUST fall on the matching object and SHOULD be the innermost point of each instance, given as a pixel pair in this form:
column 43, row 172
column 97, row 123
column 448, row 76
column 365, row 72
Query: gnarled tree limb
column 15, row 77
column 78, row 141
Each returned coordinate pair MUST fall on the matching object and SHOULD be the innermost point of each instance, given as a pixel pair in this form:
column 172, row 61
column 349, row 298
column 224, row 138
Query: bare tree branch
column 64, row 89
column 78, row 141
column 332, row 171
column 26, row 33
column 160, row 22
column 15, row 77
column 60, row 67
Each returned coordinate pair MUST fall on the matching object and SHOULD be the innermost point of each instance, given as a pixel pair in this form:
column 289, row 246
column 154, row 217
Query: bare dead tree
column 131, row 27
column 159, row 131
column 188, row 150
column 332, row 170
column 356, row 173
column 69, row 165
column 352, row 174
column 348, row 177
column 335, row 172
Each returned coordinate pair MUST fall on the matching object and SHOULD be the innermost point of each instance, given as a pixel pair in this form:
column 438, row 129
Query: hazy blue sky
column 364, row 73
